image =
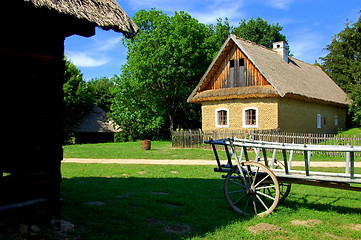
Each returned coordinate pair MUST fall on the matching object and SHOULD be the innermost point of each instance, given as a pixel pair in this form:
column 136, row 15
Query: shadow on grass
column 168, row 208
column 145, row 208
column 324, row 200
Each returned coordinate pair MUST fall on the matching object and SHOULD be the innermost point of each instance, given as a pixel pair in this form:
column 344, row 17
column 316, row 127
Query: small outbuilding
column 32, row 75
column 248, row 86
column 95, row 127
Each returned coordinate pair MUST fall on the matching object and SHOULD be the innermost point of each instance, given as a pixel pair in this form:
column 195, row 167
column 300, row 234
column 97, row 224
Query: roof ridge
column 262, row 46
column 253, row 43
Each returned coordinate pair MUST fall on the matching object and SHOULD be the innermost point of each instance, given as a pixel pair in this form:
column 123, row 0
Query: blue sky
column 309, row 26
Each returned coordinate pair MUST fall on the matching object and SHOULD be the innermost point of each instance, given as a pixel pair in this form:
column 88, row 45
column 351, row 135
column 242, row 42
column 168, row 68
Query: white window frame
column 245, row 120
column 319, row 120
column 216, row 118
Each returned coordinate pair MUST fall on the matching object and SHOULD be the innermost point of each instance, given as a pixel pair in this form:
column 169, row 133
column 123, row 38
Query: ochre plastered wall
column 267, row 113
column 287, row 114
column 301, row 116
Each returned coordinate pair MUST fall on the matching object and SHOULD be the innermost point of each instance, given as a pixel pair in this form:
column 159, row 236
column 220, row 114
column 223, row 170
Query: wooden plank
column 307, row 166
column 347, row 169
column 352, row 162
column 216, row 155
column 273, row 157
column 264, row 151
column 284, row 153
column 245, row 153
column 343, row 186
column 316, row 178
column 290, row 160
column 299, row 147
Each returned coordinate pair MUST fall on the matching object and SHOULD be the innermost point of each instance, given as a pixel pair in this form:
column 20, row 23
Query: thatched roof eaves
column 235, row 93
column 295, row 78
column 106, row 14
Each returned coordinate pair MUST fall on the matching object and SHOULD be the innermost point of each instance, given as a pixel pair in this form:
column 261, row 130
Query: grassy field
column 161, row 150
column 186, row 202
column 352, row 131
column 132, row 150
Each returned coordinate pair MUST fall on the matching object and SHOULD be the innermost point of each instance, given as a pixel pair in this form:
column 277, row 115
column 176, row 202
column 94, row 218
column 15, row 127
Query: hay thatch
column 235, row 93
column 295, row 78
column 106, row 14
column 96, row 121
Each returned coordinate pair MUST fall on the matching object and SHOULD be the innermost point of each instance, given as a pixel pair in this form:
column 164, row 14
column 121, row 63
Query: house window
column 231, row 63
column 250, row 117
column 336, row 121
column 241, row 62
column 222, row 117
column 319, row 121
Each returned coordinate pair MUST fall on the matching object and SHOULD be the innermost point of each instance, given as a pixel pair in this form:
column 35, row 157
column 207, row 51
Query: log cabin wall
column 235, row 70
column 32, row 73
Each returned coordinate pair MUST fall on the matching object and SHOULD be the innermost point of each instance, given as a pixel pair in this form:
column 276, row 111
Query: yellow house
column 248, row 86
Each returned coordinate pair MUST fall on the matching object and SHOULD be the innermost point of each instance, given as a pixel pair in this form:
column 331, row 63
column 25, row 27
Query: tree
column 343, row 65
column 77, row 98
column 259, row 31
column 131, row 110
column 165, row 61
column 102, row 92
column 218, row 33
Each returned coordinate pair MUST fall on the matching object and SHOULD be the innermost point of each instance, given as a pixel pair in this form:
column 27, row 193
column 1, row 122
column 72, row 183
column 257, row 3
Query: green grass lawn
column 162, row 150
column 352, row 131
column 132, row 150
column 107, row 201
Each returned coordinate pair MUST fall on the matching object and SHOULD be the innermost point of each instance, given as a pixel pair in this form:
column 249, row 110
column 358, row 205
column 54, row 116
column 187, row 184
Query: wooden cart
column 256, row 187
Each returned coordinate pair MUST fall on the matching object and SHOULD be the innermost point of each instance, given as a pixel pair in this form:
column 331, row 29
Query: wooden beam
column 307, row 166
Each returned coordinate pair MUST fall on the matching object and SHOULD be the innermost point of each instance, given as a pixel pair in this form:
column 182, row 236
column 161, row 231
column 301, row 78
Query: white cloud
column 108, row 43
column 280, row 4
column 220, row 9
column 206, row 11
column 84, row 59
column 97, row 51
column 307, row 45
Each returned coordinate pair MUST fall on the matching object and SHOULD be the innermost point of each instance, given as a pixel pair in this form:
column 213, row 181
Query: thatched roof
column 106, row 14
column 235, row 93
column 295, row 78
column 96, row 121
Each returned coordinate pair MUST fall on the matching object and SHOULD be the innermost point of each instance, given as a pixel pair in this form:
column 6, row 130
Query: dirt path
column 188, row 162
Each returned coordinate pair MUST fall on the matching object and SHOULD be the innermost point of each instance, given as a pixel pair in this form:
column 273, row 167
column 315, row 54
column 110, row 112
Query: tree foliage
column 259, row 31
column 343, row 65
column 102, row 92
column 166, row 59
column 77, row 98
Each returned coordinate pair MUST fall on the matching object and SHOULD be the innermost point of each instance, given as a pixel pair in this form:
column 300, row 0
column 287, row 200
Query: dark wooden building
column 31, row 72
column 95, row 127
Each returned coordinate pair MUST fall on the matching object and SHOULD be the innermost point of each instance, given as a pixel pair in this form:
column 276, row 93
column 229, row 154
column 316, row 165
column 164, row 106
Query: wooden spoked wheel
column 284, row 187
column 246, row 189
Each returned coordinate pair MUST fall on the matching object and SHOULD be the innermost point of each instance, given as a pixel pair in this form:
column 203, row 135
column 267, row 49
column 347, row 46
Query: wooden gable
column 233, row 69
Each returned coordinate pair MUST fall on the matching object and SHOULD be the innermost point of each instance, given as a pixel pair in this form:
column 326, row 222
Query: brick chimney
column 282, row 49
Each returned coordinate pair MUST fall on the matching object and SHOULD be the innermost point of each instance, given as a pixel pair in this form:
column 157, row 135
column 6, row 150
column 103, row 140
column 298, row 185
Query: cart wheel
column 285, row 188
column 246, row 192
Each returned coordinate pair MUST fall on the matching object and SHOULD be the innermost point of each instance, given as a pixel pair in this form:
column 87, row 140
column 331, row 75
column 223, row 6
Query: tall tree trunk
column 171, row 121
